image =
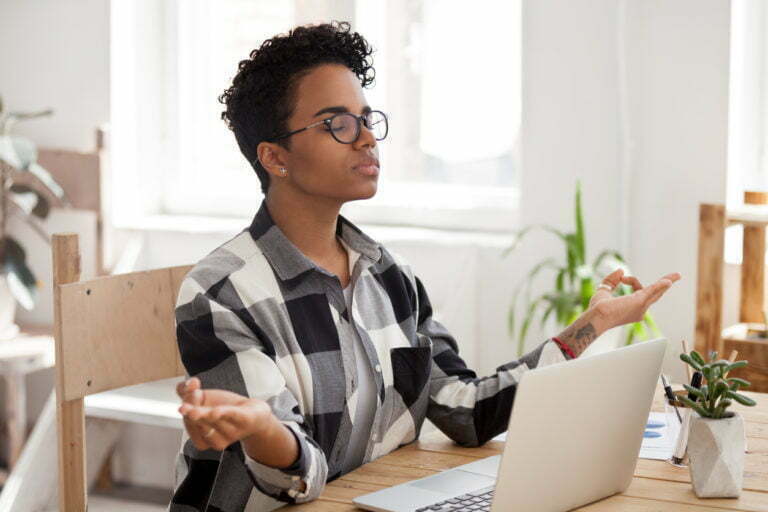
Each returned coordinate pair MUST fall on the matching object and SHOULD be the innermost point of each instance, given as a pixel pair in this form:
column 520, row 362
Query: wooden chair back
column 110, row 332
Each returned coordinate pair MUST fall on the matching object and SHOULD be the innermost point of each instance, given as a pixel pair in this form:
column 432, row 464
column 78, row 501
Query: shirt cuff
column 289, row 478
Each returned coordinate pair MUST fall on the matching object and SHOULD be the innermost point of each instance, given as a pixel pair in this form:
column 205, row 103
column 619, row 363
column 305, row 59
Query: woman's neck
column 310, row 224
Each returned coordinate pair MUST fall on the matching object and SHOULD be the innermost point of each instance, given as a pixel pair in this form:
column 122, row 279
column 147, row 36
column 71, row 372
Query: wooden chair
column 110, row 332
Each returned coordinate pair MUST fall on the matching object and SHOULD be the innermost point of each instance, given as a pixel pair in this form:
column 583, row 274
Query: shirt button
column 378, row 368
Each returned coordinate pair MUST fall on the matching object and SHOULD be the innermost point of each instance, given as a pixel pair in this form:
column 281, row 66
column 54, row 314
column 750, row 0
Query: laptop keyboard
column 476, row 500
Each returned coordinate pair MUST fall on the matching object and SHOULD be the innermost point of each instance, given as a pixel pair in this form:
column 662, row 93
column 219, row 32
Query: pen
column 682, row 438
column 671, row 396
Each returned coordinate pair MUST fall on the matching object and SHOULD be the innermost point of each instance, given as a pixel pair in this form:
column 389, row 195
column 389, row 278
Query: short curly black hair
column 262, row 96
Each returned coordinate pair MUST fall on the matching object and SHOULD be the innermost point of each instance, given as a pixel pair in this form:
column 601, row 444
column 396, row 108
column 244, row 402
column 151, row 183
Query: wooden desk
column 658, row 486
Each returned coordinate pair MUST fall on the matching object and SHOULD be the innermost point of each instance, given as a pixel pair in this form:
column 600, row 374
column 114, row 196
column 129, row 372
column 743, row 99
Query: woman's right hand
column 216, row 418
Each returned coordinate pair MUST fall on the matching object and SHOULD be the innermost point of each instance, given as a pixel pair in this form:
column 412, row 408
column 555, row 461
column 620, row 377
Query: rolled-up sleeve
column 470, row 409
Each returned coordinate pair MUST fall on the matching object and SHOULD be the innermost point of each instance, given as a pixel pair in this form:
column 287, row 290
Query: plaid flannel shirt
column 257, row 317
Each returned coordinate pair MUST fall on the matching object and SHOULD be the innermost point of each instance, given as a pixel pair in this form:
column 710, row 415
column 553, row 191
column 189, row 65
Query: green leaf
column 587, row 290
column 605, row 254
column 648, row 319
column 696, row 392
column 571, row 257
column 690, row 361
column 735, row 364
column 741, row 382
column 722, row 406
column 546, row 314
column 743, row 400
column 526, row 323
column 696, row 407
column 521, row 233
column 697, row 357
column 21, row 280
column 638, row 331
column 630, row 337
column 559, row 280
column 581, row 248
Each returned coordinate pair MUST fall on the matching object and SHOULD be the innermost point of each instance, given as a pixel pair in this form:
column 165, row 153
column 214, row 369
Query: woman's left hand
column 616, row 311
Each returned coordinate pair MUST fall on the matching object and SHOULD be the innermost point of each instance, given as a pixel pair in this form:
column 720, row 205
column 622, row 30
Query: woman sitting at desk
column 311, row 347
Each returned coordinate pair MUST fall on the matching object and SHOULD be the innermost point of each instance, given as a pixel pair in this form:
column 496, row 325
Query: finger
column 181, row 389
column 196, row 431
column 214, row 434
column 196, row 412
column 632, row 281
column 225, row 427
column 614, row 277
column 656, row 290
column 674, row 276
column 190, row 391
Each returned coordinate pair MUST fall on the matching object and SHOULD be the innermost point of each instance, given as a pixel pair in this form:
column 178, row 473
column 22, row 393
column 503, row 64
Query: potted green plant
column 716, row 436
column 27, row 191
column 575, row 282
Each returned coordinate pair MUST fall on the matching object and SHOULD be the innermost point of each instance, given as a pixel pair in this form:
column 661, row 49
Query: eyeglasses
column 345, row 126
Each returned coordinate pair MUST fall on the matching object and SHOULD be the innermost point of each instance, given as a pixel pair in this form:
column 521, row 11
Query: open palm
column 216, row 418
column 630, row 308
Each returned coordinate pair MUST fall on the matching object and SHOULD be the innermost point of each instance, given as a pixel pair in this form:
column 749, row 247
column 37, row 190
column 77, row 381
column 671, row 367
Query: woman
column 312, row 348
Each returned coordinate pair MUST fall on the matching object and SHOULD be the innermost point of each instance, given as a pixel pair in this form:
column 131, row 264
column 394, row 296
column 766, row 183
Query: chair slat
column 119, row 330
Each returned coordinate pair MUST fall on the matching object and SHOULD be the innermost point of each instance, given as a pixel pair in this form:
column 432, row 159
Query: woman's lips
column 368, row 170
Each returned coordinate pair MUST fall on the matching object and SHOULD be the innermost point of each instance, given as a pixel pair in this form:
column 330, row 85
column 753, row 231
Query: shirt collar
column 287, row 260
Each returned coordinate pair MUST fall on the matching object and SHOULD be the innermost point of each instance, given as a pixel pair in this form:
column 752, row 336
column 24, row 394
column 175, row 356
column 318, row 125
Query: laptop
column 574, row 436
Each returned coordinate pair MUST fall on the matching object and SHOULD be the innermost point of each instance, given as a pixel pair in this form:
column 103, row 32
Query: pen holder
column 680, row 454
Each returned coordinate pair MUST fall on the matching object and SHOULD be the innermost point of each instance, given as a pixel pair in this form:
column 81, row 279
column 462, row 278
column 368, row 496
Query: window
column 448, row 76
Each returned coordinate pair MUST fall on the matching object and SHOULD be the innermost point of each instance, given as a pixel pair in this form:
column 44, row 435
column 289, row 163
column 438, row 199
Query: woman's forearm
column 276, row 446
column 583, row 331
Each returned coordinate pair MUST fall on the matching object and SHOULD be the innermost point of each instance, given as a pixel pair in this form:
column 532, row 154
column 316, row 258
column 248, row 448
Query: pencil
column 731, row 359
column 687, row 366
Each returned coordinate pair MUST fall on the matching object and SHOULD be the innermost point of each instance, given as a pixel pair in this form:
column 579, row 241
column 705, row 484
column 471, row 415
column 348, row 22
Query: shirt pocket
column 411, row 368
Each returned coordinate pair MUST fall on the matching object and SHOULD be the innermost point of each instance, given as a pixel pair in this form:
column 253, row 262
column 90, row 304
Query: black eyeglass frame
column 359, row 118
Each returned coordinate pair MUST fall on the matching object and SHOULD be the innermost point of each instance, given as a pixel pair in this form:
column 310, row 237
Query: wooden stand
column 744, row 337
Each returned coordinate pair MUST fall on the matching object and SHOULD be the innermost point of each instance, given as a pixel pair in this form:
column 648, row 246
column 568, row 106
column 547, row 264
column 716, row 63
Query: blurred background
column 497, row 110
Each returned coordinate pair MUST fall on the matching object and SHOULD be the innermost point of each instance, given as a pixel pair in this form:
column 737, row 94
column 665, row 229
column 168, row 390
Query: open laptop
column 574, row 436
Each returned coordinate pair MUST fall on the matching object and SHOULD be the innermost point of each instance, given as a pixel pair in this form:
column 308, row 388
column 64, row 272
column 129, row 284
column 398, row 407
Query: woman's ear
column 271, row 158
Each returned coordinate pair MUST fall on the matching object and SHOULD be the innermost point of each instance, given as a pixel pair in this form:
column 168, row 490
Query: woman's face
column 317, row 164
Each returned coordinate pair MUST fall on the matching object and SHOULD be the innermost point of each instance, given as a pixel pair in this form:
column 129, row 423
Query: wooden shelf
column 713, row 219
column 750, row 214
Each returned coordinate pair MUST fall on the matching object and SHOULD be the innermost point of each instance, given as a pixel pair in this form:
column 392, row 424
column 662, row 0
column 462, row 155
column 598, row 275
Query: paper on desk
column 660, row 448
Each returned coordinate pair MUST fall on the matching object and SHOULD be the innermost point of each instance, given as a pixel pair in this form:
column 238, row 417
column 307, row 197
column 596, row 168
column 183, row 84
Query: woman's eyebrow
column 339, row 109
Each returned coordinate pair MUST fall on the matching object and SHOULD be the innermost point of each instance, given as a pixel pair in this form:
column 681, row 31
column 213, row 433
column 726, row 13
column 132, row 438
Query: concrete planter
column 716, row 452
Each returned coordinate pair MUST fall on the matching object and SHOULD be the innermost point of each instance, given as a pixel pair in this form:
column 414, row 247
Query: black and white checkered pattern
column 258, row 318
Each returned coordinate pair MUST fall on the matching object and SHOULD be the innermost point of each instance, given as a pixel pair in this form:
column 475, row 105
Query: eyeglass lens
column 345, row 126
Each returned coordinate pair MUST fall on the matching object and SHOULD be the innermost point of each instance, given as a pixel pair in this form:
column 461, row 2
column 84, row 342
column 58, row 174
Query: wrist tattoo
column 579, row 337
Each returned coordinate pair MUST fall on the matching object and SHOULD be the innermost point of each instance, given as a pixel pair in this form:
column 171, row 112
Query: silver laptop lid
column 576, row 429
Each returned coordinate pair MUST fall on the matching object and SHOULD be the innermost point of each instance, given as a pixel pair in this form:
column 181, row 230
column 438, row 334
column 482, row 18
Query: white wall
column 56, row 54
column 678, row 56
column 647, row 154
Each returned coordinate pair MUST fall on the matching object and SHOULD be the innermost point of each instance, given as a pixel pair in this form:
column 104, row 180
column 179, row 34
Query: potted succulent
column 27, row 191
column 574, row 284
column 716, row 437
